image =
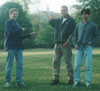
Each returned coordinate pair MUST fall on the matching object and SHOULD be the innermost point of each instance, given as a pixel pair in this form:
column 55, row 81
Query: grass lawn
column 38, row 72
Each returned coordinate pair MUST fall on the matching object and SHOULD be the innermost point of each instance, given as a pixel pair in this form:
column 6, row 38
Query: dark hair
column 86, row 11
column 12, row 10
column 64, row 6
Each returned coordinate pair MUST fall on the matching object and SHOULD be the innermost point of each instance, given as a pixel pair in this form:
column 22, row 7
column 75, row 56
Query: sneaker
column 76, row 84
column 55, row 82
column 7, row 84
column 20, row 84
column 88, row 85
column 70, row 82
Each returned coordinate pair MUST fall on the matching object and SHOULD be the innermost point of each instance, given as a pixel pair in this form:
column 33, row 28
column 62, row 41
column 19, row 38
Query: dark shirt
column 62, row 30
column 85, row 33
column 13, row 35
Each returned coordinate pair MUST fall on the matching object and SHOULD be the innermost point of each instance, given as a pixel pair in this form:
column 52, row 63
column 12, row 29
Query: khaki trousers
column 59, row 51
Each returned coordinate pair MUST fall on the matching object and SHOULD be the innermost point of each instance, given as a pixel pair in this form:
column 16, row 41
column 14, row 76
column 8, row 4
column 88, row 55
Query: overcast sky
column 54, row 5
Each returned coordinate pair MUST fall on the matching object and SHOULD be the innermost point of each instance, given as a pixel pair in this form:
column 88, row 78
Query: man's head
column 13, row 13
column 85, row 13
column 64, row 11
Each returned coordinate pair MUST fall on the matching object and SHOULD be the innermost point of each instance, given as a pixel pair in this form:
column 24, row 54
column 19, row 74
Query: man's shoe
column 70, row 82
column 55, row 82
column 88, row 85
column 76, row 84
column 7, row 84
column 20, row 84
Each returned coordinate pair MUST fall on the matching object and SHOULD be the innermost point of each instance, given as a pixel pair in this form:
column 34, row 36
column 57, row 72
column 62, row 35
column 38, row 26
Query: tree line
column 34, row 23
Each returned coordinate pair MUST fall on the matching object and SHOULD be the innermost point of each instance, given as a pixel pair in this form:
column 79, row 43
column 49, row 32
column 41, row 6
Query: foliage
column 93, row 5
column 45, row 35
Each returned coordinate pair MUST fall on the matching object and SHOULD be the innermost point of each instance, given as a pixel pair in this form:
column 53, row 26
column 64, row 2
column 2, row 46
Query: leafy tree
column 94, row 6
column 45, row 35
column 26, row 3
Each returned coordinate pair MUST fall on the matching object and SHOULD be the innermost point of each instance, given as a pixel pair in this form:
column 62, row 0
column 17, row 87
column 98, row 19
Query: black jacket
column 13, row 35
column 63, row 30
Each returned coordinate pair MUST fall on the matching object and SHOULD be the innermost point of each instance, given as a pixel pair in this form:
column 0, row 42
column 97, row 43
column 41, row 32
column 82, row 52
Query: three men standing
column 85, row 35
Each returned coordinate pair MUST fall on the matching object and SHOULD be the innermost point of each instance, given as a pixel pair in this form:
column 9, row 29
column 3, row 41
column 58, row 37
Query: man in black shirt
column 64, row 28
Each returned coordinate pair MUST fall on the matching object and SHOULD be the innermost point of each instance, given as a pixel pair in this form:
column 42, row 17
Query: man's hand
column 33, row 34
column 51, row 16
column 89, row 43
column 65, row 44
column 76, row 47
column 24, row 29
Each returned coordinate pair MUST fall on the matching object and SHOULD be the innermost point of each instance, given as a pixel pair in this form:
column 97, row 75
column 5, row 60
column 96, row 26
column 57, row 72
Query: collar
column 86, row 23
column 65, row 18
column 12, row 20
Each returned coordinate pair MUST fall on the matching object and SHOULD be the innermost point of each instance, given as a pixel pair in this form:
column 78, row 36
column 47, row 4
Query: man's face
column 85, row 16
column 14, row 15
column 64, row 11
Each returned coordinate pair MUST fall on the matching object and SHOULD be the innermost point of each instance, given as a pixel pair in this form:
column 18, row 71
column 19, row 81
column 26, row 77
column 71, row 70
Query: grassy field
column 38, row 72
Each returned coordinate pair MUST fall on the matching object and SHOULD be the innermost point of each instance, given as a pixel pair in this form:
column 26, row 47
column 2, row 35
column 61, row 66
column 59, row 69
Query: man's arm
column 96, row 36
column 75, row 37
column 52, row 19
column 32, row 34
column 72, row 27
column 68, row 40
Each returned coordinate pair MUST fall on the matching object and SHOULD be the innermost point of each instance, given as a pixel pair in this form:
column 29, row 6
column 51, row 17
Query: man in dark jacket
column 63, row 32
column 14, row 47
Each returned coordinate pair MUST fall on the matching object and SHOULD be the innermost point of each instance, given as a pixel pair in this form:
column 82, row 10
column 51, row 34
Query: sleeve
column 72, row 26
column 96, row 35
column 25, row 36
column 75, row 36
column 52, row 22
column 10, row 31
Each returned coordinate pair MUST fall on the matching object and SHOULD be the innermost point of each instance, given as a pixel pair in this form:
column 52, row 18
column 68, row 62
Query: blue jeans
column 87, row 54
column 18, row 54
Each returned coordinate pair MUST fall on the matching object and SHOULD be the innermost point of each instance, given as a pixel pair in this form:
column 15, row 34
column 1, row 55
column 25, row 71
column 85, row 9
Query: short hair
column 12, row 10
column 64, row 6
column 86, row 11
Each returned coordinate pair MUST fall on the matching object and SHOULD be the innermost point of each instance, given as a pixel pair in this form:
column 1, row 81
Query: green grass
column 38, row 72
